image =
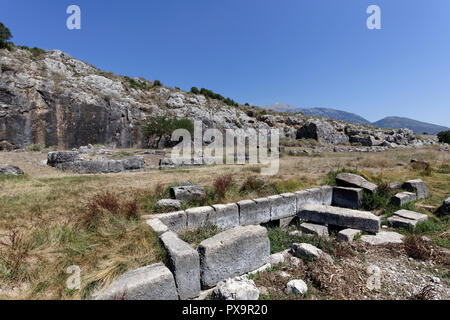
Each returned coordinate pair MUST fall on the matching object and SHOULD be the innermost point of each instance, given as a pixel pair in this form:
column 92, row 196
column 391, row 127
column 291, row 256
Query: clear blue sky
column 308, row 53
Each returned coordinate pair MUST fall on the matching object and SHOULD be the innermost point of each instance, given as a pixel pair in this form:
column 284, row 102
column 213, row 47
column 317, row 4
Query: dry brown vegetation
column 50, row 219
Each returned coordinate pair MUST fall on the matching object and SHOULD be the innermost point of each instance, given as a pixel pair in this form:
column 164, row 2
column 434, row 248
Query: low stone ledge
column 198, row 217
column 157, row 226
column 184, row 262
column 175, row 221
column 346, row 218
column 282, row 206
column 232, row 253
column 225, row 216
column 153, row 282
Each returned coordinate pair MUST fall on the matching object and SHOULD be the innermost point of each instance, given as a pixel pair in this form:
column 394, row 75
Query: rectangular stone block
column 341, row 217
column 184, row 262
column 347, row 197
column 312, row 228
column 282, row 206
column 347, row 235
column 157, row 226
column 399, row 222
column 407, row 214
column 198, row 217
column 418, row 187
column 154, row 282
column 225, row 216
column 403, row 198
column 252, row 212
column 232, row 253
column 175, row 221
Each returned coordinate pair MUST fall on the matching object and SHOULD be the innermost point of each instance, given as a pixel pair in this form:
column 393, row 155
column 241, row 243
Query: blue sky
column 308, row 53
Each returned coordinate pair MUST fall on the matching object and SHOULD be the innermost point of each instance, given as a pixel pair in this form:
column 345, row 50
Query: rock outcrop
column 56, row 100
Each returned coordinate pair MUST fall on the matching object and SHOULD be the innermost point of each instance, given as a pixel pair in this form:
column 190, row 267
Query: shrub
column 157, row 83
column 195, row 90
column 417, row 248
column 15, row 253
column 35, row 147
column 444, row 136
column 250, row 113
column 222, row 184
column 136, row 84
column 252, row 184
column 35, row 51
column 5, row 35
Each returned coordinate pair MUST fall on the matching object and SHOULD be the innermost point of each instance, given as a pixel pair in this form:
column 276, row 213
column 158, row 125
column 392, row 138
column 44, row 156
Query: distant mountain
column 319, row 112
column 417, row 126
column 390, row 122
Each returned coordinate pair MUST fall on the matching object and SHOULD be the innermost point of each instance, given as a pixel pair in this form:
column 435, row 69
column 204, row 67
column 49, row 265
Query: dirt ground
column 43, row 211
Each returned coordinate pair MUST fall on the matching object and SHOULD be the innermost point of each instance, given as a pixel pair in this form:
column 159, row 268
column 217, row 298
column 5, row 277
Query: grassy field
column 50, row 220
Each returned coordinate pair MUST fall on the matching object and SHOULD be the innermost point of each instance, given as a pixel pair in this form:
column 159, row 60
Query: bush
column 35, row 147
column 35, row 51
column 136, row 84
column 157, row 83
column 5, row 35
column 252, row 184
column 160, row 126
column 444, row 136
column 222, row 184
column 195, row 90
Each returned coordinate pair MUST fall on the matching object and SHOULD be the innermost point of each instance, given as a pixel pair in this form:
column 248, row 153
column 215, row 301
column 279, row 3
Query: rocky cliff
column 53, row 99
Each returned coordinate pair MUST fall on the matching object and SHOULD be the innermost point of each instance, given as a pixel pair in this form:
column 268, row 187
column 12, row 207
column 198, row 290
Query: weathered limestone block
column 403, row 198
column 418, row 187
column 170, row 204
column 61, row 157
column 347, row 197
column 153, row 282
column 383, row 237
column 282, row 206
column 239, row 288
column 198, row 217
column 175, row 221
column 406, row 219
column 309, row 252
column 347, row 235
column 341, row 217
column 445, row 208
column 9, row 170
column 188, row 193
column 225, row 216
column 354, row 181
column 317, row 229
column 157, row 226
column 248, row 213
column 184, row 262
column 263, row 210
column 232, row 253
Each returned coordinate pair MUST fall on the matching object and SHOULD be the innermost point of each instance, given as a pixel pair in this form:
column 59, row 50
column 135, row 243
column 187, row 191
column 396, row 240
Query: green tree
column 161, row 126
column 444, row 136
column 5, row 35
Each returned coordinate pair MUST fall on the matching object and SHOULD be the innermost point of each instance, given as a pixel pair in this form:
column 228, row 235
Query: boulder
column 153, row 282
column 355, row 181
column 276, row 258
column 298, row 287
column 188, row 193
column 9, row 170
column 309, row 252
column 341, row 217
column 239, row 288
column 383, row 237
column 316, row 229
column 54, row 158
column 321, row 131
column 232, row 253
column 347, row 235
column 347, row 197
column 184, row 263
column 418, row 187
column 169, row 204
column 403, row 198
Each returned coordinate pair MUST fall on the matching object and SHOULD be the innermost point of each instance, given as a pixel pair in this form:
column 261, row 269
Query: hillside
column 418, row 127
column 319, row 112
